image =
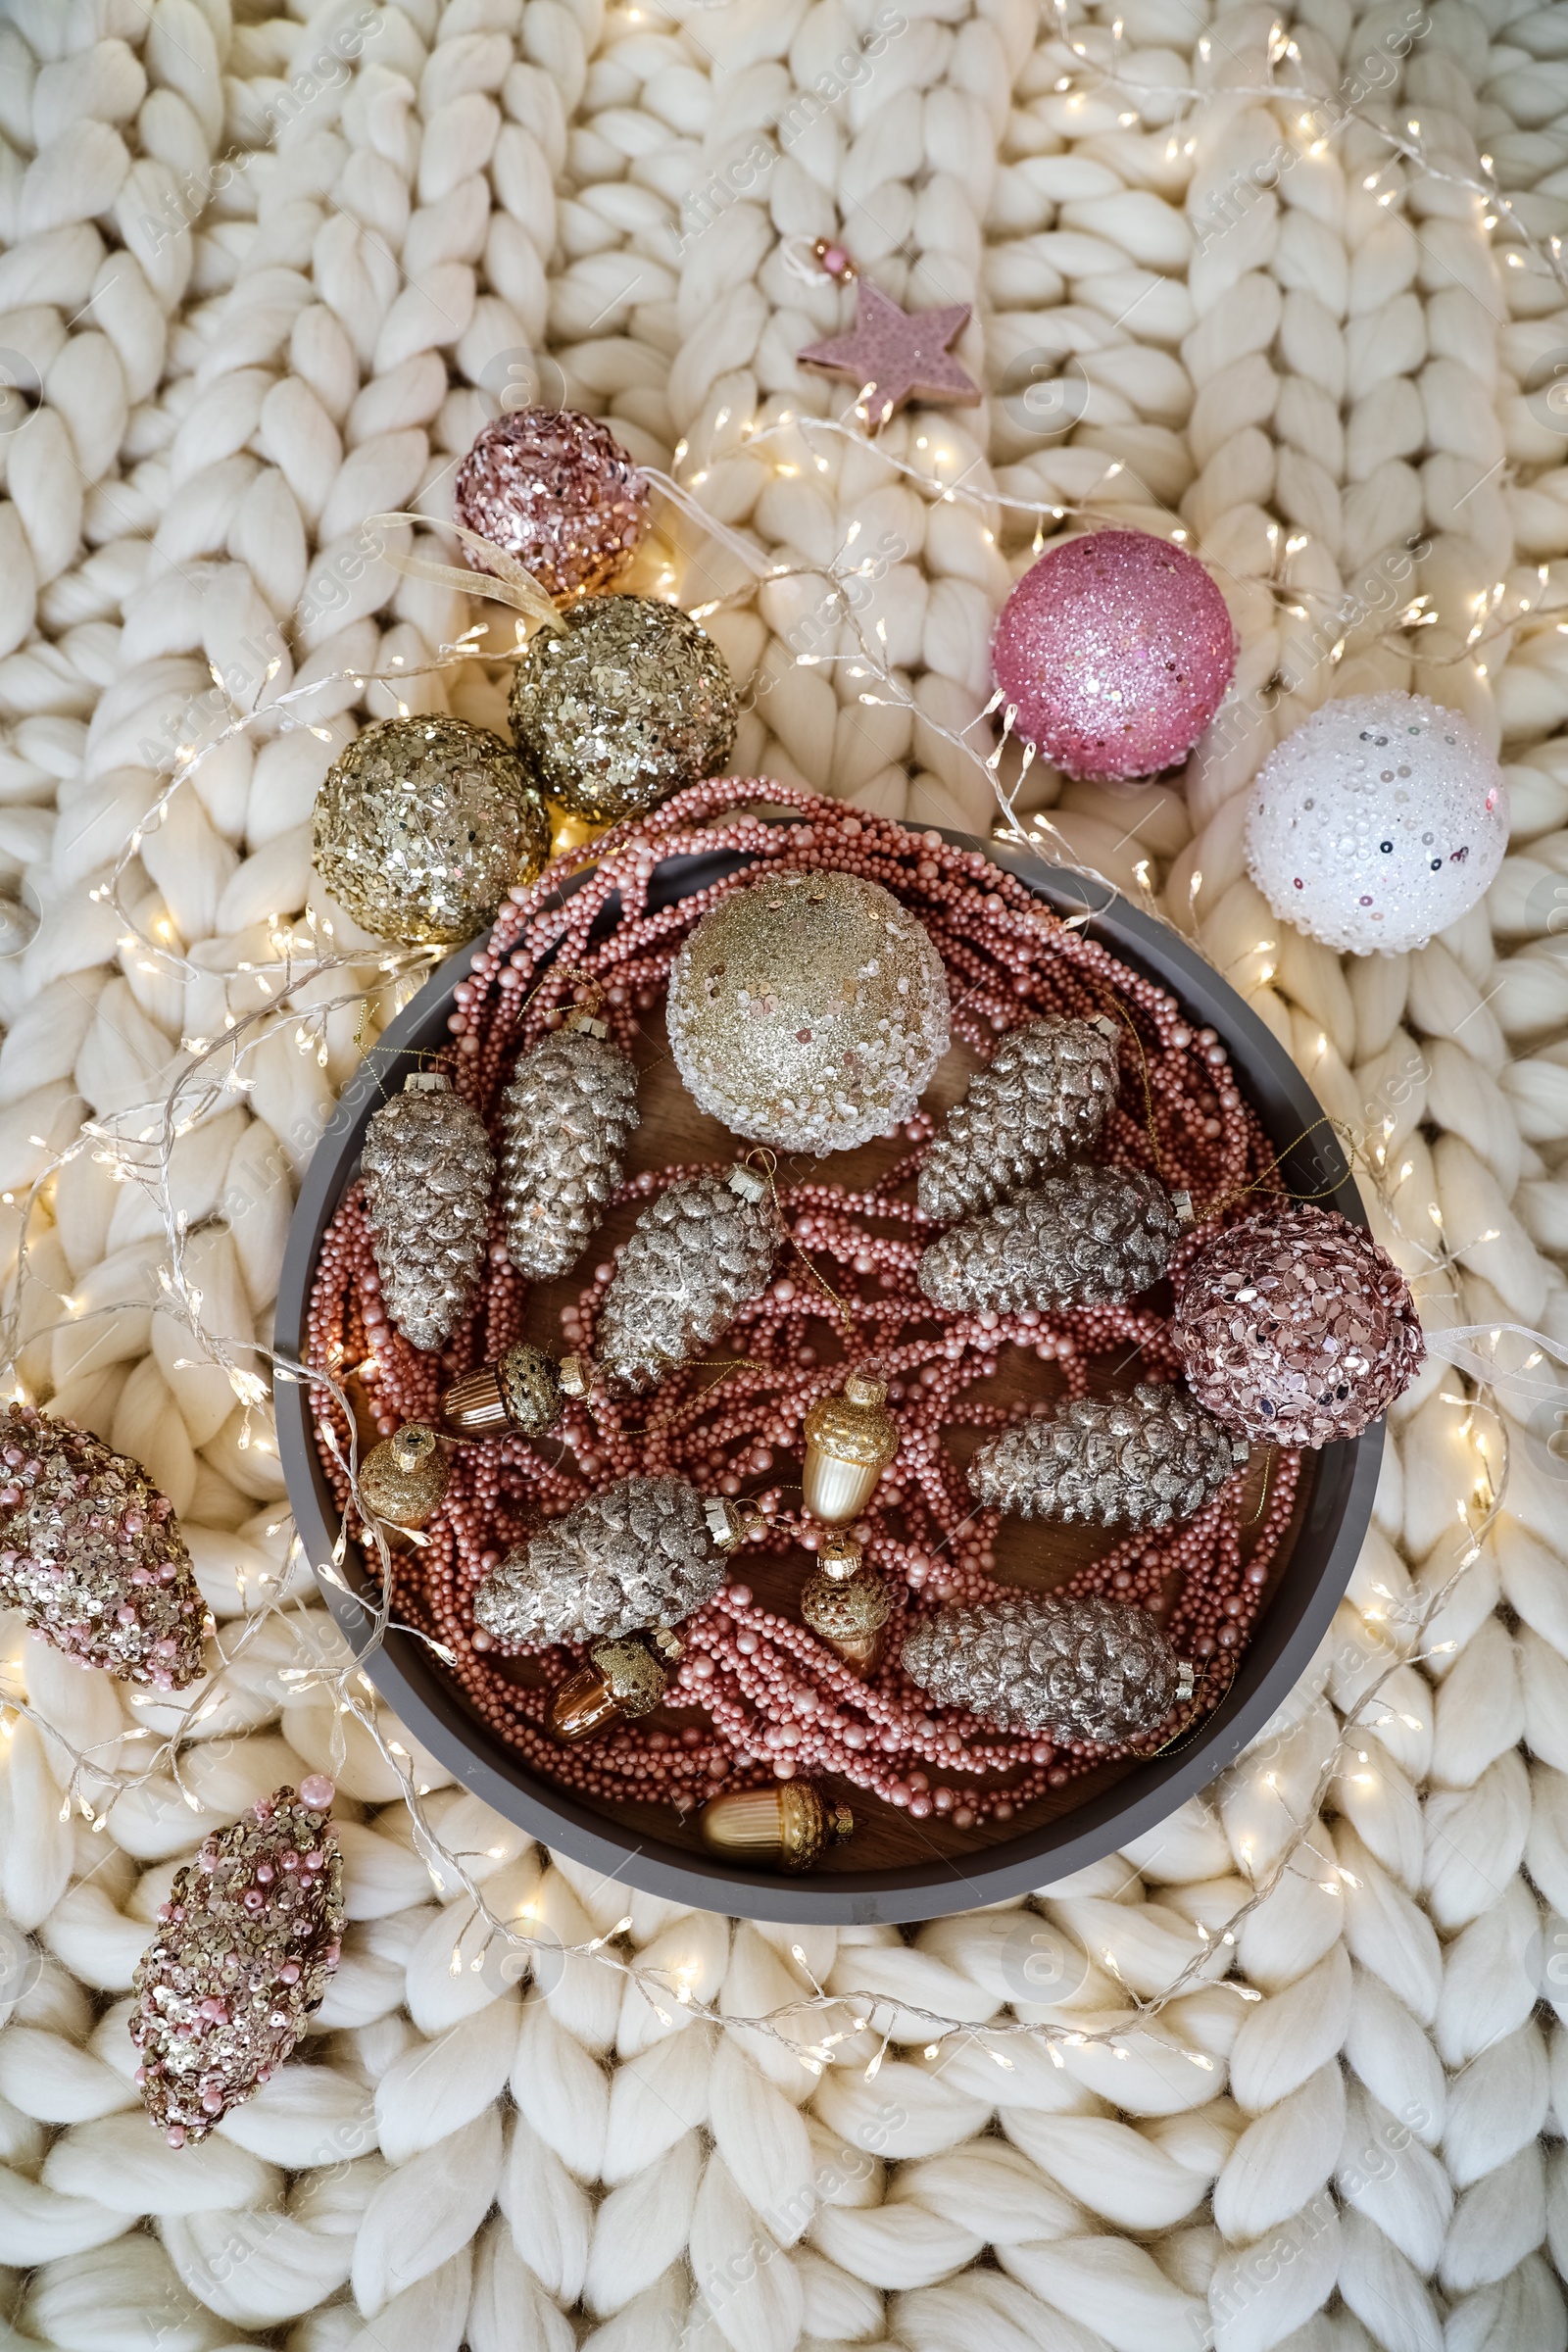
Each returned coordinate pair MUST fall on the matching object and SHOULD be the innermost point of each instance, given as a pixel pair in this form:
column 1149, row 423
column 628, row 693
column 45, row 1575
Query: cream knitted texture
column 258, row 317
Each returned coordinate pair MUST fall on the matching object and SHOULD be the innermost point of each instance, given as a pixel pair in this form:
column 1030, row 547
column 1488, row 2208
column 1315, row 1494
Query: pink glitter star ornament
column 894, row 354
column 1114, row 651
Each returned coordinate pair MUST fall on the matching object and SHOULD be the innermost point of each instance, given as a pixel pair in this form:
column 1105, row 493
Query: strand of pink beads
column 766, row 1697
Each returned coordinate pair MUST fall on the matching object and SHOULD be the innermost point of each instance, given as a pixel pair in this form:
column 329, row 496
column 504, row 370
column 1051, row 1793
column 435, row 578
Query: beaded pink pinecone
column 1295, row 1327
column 91, row 1552
column 247, row 1940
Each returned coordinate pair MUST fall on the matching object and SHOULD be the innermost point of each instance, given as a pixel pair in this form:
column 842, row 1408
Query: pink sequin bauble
column 557, row 491
column 1295, row 1327
column 1117, row 650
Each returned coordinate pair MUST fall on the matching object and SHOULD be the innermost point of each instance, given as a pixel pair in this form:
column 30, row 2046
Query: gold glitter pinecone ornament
column 1087, row 1237
column 429, row 1168
column 622, row 1680
column 567, row 1116
column 246, row 1942
column 791, row 1824
column 1141, row 1460
column 695, row 1258
column 621, row 706
column 808, row 1011
column 1040, row 1102
column 422, row 825
column 91, row 1553
column 1078, row 1668
column 644, row 1552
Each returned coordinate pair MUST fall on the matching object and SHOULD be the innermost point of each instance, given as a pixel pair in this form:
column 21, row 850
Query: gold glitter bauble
column 623, row 704
column 422, row 826
column 405, row 1478
column 808, row 1011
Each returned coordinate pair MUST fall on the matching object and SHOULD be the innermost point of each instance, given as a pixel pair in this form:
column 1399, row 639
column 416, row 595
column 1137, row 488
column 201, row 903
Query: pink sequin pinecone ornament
column 1295, row 1327
column 250, row 1935
column 91, row 1552
column 1114, row 651
column 556, row 490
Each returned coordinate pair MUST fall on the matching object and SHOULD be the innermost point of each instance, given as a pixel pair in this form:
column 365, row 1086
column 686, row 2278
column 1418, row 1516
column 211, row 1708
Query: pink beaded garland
column 1114, row 651
column 765, row 1697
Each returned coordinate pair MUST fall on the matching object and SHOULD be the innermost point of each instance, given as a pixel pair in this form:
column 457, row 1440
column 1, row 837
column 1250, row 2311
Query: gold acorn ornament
column 851, row 1438
column 523, row 1389
column 846, row 1605
column 404, row 1480
column 623, row 1678
column 791, row 1824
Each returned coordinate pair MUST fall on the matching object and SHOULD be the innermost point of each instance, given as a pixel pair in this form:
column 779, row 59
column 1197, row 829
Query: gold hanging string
column 840, row 1306
column 1121, row 1012
column 504, row 579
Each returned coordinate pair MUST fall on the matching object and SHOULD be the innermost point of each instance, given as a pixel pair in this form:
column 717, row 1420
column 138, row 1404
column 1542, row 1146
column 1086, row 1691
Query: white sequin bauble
column 1379, row 820
column 808, row 1011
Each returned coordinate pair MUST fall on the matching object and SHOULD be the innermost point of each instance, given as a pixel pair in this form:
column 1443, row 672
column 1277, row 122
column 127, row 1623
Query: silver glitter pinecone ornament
column 643, row 1553
column 429, row 1168
column 422, row 825
column 1039, row 1102
column 1141, row 1460
column 695, row 1255
column 566, row 1117
column 246, row 1942
column 1087, row 1237
column 1078, row 1668
column 621, row 706
column 91, row 1553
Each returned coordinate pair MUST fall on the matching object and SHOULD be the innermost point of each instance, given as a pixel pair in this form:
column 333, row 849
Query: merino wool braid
column 255, row 319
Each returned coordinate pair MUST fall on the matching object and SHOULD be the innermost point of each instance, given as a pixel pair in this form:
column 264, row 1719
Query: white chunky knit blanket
column 264, row 276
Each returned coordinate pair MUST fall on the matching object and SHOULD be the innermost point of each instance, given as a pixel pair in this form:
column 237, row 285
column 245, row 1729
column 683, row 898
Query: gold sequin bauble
column 851, row 1438
column 791, row 1824
column 808, row 1011
column 1295, row 1327
column 245, row 1945
column 625, row 702
column 91, row 1553
column 404, row 1479
column 556, row 490
column 422, row 826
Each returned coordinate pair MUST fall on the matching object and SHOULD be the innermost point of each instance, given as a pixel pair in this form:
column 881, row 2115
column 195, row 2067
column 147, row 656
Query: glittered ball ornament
column 1114, row 651
column 1382, row 820
column 556, row 491
column 424, row 825
column 809, row 1012
column 1294, row 1328
column 621, row 706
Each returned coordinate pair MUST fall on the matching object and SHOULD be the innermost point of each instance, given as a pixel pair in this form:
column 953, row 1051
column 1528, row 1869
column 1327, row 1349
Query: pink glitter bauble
column 1117, row 650
column 1295, row 1327
column 556, row 490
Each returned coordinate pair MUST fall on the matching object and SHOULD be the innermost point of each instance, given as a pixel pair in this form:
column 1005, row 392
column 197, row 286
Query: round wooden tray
column 893, row 1868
